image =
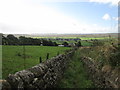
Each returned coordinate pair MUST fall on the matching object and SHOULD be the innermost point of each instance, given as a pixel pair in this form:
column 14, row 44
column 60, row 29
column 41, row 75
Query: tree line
column 22, row 40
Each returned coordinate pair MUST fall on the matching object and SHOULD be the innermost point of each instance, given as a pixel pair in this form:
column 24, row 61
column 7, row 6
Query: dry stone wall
column 103, row 77
column 43, row 75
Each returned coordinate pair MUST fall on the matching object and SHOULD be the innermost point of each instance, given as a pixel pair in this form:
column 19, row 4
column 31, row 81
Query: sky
column 58, row 16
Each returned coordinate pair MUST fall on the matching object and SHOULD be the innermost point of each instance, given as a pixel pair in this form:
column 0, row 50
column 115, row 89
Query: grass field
column 83, row 42
column 13, row 57
column 82, row 38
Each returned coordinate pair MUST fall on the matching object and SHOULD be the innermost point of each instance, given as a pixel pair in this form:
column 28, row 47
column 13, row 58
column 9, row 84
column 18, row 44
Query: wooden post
column 40, row 59
column 57, row 53
column 47, row 56
column 24, row 55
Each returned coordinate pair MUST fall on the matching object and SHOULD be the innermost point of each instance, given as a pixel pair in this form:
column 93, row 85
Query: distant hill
column 66, row 35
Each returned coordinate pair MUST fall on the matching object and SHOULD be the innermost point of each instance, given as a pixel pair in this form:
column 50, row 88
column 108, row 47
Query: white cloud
column 62, row 0
column 112, row 2
column 116, row 18
column 106, row 17
column 24, row 16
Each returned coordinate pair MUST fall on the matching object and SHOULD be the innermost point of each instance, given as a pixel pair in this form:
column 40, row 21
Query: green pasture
column 13, row 57
column 82, row 38
column 89, row 38
column 85, row 41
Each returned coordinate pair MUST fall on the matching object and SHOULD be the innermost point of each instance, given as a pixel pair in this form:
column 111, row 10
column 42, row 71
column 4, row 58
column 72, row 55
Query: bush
column 115, row 59
column 98, row 42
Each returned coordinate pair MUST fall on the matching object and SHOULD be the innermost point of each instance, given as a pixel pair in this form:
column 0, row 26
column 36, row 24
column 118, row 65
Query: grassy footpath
column 75, row 76
column 13, row 57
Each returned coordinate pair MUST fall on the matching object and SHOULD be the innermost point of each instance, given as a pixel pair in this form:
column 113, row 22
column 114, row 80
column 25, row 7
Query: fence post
column 24, row 56
column 47, row 56
column 40, row 59
column 57, row 53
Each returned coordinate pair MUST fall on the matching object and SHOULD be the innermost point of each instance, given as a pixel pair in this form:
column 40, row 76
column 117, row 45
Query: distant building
column 61, row 45
column 72, row 44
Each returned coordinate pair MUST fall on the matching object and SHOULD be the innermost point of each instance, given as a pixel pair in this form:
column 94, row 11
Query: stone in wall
column 106, row 77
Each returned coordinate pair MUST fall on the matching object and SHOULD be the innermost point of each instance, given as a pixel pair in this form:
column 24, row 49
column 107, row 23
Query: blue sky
column 86, row 11
column 41, row 16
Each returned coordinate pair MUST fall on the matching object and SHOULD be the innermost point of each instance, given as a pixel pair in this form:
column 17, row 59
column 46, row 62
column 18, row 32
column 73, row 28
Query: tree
column 22, row 40
column 4, row 40
column 78, row 44
column 50, row 43
column 65, row 44
column 12, row 40
column 45, row 42
column 55, row 44
column 36, row 41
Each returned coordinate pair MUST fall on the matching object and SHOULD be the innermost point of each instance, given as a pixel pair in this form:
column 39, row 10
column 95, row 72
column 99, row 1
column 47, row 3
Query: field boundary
column 43, row 75
column 104, row 77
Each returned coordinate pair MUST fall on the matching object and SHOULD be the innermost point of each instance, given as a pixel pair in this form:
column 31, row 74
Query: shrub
column 115, row 59
column 98, row 42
